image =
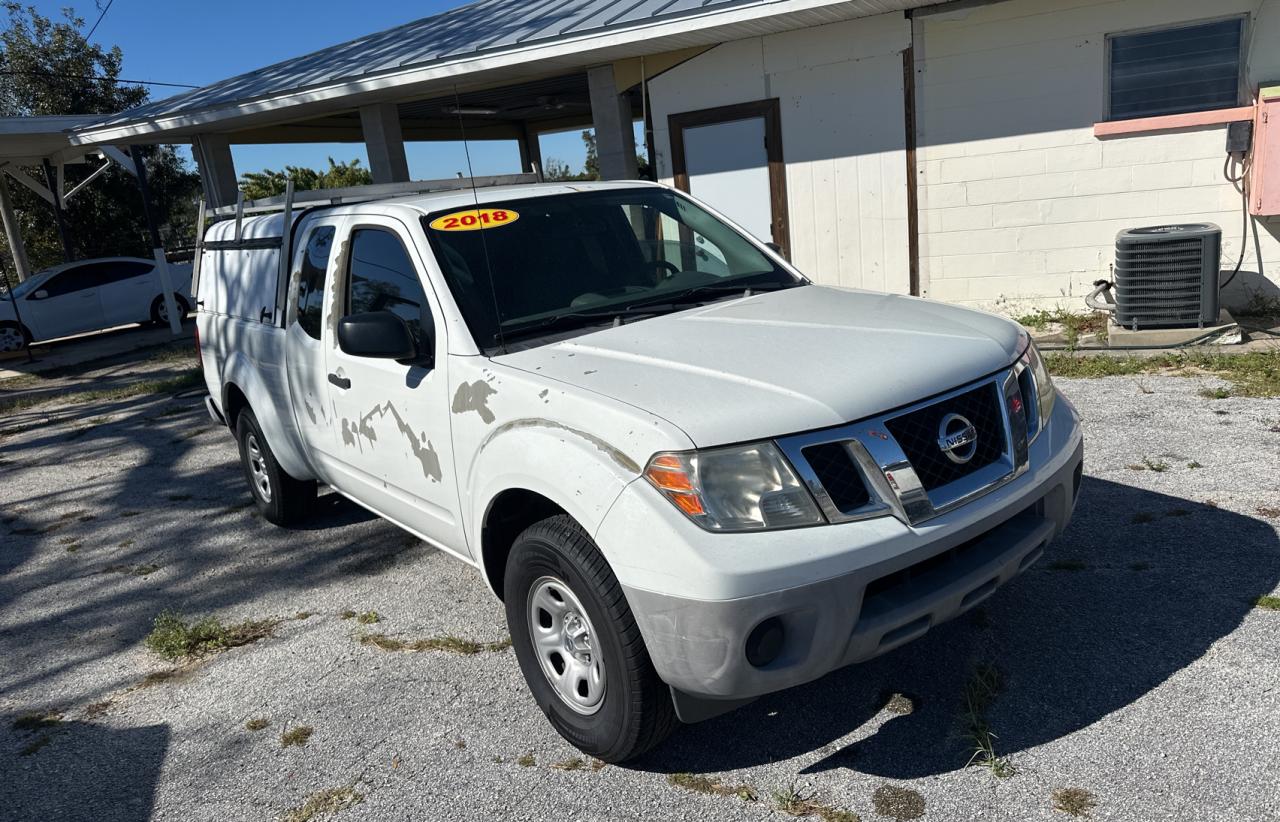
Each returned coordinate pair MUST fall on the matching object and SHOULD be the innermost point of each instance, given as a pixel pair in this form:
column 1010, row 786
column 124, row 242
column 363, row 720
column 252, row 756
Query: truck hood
column 781, row 362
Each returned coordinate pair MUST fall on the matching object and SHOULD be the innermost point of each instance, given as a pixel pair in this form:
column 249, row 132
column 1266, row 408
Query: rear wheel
column 160, row 311
column 578, row 645
column 13, row 336
column 280, row 498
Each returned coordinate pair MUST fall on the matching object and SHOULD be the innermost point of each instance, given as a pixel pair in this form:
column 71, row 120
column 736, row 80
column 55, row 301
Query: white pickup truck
column 692, row 476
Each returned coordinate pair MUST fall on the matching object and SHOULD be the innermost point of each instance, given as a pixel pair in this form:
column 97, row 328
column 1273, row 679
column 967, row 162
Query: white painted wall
column 1020, row 203
column 843, row 136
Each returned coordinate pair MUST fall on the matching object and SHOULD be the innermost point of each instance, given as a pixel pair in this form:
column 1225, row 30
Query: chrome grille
column 839, row 476
column 917, row 433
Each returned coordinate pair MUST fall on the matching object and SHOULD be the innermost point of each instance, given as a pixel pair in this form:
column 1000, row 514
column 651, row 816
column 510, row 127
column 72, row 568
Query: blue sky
column 184, row 41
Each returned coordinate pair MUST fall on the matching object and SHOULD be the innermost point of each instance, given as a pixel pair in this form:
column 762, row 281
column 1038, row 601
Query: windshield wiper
column 575, row 319
column 698, row 292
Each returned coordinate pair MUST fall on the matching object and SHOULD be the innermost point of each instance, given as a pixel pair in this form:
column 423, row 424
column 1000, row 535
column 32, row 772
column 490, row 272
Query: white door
column 66, row 303
column 305, row 339
column 728, row 168
column 394, row 449
column 126, row 289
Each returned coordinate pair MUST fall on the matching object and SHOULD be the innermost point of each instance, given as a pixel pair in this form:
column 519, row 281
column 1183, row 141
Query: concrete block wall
column 1019, row 202
column 843, row 132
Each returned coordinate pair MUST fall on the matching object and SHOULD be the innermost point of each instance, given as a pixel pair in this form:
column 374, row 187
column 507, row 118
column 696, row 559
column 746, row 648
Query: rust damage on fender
column 474, row 396
column 612, row 452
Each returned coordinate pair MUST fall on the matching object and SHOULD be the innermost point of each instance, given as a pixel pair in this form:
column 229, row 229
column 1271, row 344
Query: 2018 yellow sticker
column 475, row 219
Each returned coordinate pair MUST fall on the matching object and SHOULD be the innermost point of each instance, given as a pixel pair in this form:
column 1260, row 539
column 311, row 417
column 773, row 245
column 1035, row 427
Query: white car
column 692, row 476
column 90, row 295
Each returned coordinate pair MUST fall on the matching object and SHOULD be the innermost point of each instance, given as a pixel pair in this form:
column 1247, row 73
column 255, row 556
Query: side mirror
column 377, row 334
column 774, row 247
column 40, row 295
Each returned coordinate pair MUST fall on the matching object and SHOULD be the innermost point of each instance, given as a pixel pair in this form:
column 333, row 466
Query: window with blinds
column 1176, row 70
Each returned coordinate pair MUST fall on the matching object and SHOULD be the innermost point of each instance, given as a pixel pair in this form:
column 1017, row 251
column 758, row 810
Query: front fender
column 574, row 469
column 265, row 385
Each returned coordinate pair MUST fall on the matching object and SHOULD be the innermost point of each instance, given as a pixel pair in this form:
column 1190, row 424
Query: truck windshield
column 526, row 271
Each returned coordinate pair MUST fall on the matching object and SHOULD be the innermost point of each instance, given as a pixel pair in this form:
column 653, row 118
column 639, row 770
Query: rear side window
column 1176, row 70
column 311, row 279
column 383, row 278
column 115, row 271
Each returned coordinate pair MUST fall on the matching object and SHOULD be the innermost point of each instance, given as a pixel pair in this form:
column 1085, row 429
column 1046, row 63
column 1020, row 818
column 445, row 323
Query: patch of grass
column 1073, row 325
column 132, row 570
column 1215, row 393
column 324, row 803
column 189, row 378
column 1142, row 517
column 257, row 723
column 128, row 543
column 347, row 615
column 301, row 615
column 37, row 720
column 1067, row 565
column 164, row 677
column 1251, row 374
column 448, row 644
column 983, row 686
column 791, row 802
column 897, row 802
column 573, row 763
column 1073, row 801
column 297, row 735
column 368, row 618
column 173, row 638
column 698, row 783
column 1267, row 603
column 33, row 747
column 1194, row 465
column 526, row 760
column 1155, row 465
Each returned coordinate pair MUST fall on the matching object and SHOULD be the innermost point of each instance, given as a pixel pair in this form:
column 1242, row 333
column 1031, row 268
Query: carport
column 501, row 69
column 46, row 143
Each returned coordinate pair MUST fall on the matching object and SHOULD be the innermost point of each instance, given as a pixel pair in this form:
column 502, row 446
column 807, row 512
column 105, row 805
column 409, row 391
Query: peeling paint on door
column 423, row 451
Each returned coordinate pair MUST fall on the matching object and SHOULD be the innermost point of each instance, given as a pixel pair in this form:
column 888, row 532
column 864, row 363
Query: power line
column 37, row 73
column 89, row 36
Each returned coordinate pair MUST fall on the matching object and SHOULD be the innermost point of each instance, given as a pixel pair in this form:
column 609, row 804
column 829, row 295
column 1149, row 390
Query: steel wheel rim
column 10, row 339
column 564, row 641
column 258, row 469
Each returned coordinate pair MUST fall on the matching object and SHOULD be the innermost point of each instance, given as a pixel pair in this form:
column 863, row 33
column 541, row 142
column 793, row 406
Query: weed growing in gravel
column 173, row 638
column 368, row 618
column 984, row 684
column 1067, row 565
column 97, row 709
column 132, row 570
column 526, row 760
column 348, row 614
column 164, row 677
column 450, row 644
column 1215, row 393
column 1269, row 513
column 37, row 720
column 574, row 763
column 1255, row 374
column 257, row 724
column 897, row 803
column 128, row 543
column 1073, row 801
column 301, row 615
column 711, row 786
column 326, row 802
column 1073, row 325
column 1267, row 603
column 460, row 744
column 297, row 735
column 790, row 802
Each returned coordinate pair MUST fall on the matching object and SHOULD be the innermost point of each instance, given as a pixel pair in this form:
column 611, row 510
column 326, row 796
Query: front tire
column 160, row 312
column 578, row 645
column 13, row 336
column 280, row 498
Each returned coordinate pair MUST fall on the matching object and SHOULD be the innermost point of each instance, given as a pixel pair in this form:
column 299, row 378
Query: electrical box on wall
column 1264, row 168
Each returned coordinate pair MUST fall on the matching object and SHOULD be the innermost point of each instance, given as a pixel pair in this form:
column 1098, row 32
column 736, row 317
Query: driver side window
column 68, row 282
column 382, row 277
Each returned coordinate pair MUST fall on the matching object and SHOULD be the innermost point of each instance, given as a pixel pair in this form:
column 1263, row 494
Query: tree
column 267, row 183
column 48, row 67
column 556, row 170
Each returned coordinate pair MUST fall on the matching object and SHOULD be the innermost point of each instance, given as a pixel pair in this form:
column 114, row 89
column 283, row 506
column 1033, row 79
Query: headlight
column 1037, row 391
column 741, row 488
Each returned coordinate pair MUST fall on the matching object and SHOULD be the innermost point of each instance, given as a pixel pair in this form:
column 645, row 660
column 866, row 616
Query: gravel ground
column 1132, row 662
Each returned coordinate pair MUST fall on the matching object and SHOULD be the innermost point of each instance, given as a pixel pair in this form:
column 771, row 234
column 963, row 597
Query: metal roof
column 28, row 140
column 511, row 36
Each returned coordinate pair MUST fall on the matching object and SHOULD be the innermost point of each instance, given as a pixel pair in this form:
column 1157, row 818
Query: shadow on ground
column 1163, row 578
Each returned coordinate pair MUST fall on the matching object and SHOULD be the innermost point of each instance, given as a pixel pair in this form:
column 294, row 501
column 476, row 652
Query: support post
column 530, row 150
column 217, row 169
column 157, row 247
column 615, row 134
column 59, row 216
column 384, row 141
column 13, row 233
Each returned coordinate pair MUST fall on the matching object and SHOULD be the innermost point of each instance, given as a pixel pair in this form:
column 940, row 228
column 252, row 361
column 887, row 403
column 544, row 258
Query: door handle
column 342, row 382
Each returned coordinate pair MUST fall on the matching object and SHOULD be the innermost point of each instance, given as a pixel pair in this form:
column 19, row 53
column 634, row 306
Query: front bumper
column 894, row 582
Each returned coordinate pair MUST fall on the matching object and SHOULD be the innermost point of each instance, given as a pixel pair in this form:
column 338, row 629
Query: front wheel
column 578, row 645
column 280, row 498
column 13, row 336
column 160, row 311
